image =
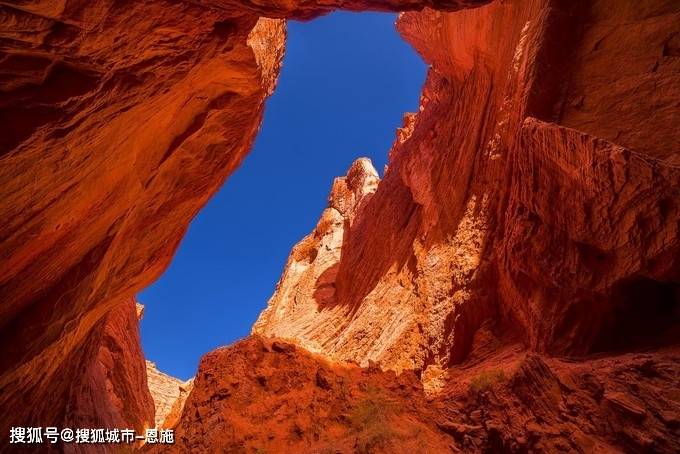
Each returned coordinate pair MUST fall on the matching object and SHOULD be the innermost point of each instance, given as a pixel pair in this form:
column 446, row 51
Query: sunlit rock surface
column 168, row 394
column 266, row 395
column 304, row 307
column 511, row 196
column 119, row 121
column 530, row 205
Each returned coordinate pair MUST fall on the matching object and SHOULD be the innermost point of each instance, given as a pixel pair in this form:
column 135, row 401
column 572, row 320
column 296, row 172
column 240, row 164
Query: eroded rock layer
column 536, row 187
column 533, row 198
column 102, row 384
column 308, row 282
column 169, row 394
column 108, row 387
column 122, row 119
column 268, row 396
column 119, row 120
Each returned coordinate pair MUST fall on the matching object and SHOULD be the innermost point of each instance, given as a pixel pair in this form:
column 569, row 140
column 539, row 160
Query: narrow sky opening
column 346, row 81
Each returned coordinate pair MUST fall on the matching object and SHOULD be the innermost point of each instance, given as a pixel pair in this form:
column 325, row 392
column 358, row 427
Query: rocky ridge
column 266, row 395
column 120, row 120
column 496, row 207
column 530, row 208
column 169, row 394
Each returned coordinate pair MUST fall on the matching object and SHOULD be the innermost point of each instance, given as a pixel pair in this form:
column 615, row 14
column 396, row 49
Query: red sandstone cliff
column 535, row 193
column 103, row 385
column 108, row 387
column 267, row 396
column 113, row 138
column 304, row 306
column 536, row 187
column 119, row 121
column 169, row 394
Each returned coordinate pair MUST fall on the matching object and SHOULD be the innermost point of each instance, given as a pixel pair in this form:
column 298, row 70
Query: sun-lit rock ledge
column 168, row 394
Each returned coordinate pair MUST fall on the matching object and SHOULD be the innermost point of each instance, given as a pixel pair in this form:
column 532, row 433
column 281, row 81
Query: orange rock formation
column 304, row 305
column 521, row 192
column 103, row 385
column 264, row 395
column 119, row 121
column 532, row 203
column 169, row 394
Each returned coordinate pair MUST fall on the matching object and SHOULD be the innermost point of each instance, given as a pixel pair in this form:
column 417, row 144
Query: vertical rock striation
column 169, row 394
column 115, row 138
column 536, row 187
column 530, row 204
column 304, row 306
column 102, row 384
column 535, row 193
column 119, row 121
column 164, row 389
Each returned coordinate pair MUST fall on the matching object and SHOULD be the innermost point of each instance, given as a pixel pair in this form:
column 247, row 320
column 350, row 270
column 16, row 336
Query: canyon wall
column 268, row 396
column 119, row 120
column 537, row 187
column 115, row 137
column 263, row 395
column 168, row 393
column 529, row 207
column 308, row 282
column 532, row 201
column 101, row 384
column 107, row 383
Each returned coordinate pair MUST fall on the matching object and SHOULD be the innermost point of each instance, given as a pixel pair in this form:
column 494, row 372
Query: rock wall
column 176, row 410
column 537, row 187
column 115, row 117
column 102, row 384
column 108, row 385
column 168, row 394
column 531, row 205
column 266, row 395
column 119, row 120
column 305, row 302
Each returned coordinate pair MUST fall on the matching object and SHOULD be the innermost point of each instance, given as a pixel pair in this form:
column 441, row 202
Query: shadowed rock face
column 521, row 192
column 133, row 101
column 108, row 386
column 536, row 191
column 103, row 384
column 119, row 120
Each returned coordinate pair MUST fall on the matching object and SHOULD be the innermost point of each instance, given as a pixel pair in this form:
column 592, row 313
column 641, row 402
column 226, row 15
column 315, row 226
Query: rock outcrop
column 103, row 385
column 110, row 387
column 175, row 411
column 263, row 395
column 119, row 121
column 536, row 187
column 304, row 305
column 113, row 137
column 531, row 204
column 169, row 394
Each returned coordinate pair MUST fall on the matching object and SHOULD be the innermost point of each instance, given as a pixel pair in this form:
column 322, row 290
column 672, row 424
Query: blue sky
column 346, row 81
